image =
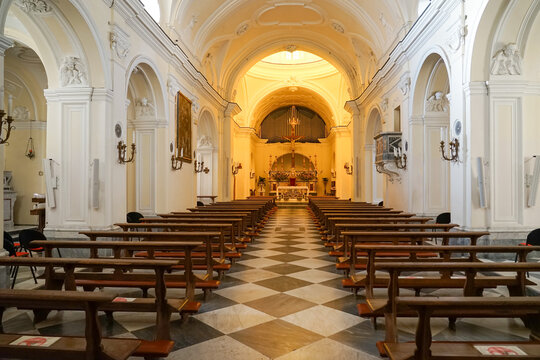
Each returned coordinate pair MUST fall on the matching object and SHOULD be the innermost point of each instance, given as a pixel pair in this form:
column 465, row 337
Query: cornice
column 144, row 25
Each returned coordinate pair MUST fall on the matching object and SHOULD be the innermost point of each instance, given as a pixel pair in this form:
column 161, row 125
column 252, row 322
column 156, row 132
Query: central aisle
column 283, row 300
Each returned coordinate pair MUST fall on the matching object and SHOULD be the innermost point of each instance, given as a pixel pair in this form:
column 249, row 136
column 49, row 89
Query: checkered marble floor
column 282, row 300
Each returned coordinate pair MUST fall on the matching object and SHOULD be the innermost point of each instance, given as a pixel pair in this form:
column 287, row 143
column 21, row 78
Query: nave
column 283, row 299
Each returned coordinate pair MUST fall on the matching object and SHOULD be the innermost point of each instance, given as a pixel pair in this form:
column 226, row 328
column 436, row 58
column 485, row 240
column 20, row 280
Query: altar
column 292, row 192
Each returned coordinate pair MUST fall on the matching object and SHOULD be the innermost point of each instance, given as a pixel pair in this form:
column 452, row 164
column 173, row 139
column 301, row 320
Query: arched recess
column 25, row 80
column 145, row 114
column 374, row 181
column 429, row 126
column 207, row 152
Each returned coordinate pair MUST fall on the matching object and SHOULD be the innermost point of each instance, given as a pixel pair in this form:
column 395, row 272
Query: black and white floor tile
column 282, row 300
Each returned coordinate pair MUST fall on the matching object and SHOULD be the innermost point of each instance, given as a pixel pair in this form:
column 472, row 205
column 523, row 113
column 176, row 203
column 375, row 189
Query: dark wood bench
column 426, row 308
column 226, row 250
column 207, row 263
column 91, row 346
column 349, row 263
column 475, row 282
column 55, row 280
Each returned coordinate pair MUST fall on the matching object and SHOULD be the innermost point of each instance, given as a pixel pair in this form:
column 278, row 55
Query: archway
column 25, row 80
column 145, row 108
column 431, row 105
column 207, row 152
column 374, row 181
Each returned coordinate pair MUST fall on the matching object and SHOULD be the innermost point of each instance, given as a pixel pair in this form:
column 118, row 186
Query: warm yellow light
column 292, row 58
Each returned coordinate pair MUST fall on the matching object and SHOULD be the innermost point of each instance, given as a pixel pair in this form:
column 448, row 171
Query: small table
column 293, row 189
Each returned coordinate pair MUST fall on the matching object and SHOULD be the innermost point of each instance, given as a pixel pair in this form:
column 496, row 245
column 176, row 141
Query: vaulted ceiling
column 227, row 37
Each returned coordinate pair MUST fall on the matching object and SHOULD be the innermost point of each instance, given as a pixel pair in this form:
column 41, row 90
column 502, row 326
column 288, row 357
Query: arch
column 431, row 122
column 374, row 181
column 207, row 153
column 156, row 85
column 263, row 104
column 275, row 43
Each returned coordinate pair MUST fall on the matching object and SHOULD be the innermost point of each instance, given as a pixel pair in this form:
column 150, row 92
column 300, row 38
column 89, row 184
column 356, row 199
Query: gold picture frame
column 183, row 128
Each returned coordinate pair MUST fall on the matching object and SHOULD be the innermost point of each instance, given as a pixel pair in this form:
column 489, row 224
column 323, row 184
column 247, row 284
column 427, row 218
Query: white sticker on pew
column 499, row 350
column 124, row 299
column 32, row 340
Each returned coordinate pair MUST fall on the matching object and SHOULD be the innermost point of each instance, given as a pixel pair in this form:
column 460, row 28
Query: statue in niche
column 21, row 113
column 437, row 102
column 204, row 141
column 72, row 72
column 506, row 61
column 144, row 108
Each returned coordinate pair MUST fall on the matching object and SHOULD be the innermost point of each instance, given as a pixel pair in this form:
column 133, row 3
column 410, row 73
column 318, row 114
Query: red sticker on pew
column 499, row 350
column 123, row 299
column 32, row 340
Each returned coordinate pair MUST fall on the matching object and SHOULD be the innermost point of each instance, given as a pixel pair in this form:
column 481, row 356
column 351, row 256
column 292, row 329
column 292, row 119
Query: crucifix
column 294, row 120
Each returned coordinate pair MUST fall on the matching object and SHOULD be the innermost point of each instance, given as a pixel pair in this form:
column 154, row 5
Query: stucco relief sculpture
column 437, row 102
column 34, row 6
column 144, row 108
column 506, row 61
column 205, row 141
column 21, row 113
column 119, row 44
column 405, row 84
column 73, row 72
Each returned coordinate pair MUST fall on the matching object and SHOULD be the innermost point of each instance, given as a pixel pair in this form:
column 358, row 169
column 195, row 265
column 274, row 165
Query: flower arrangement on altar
column 306, row 175
column 279, row 175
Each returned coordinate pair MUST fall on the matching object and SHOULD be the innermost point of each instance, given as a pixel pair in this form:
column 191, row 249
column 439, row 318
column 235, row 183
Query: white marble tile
column 245, row 292
column 253, row 275
column 311, row 253
column 309, row 246
column 327, row 349
column 234, row 318
column 314, row 276
column 135, row 321
column 318, row 293
column 264, row 245
column 323, row 320
column 264, row 253
column 221, row 348
column 259, row 263
column 312, row 263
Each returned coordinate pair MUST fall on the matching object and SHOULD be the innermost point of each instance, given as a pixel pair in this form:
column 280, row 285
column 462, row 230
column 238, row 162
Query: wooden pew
column 69, row 277
column 206, row 237
column 327, row 216
column 474, row 284
column 381, row 227
column 225, row 250
column 428, row 254
column 89, row 347
column 423, row 348
column 399, row 237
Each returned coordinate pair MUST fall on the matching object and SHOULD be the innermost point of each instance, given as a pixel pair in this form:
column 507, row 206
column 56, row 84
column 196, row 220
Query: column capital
column 232, row 109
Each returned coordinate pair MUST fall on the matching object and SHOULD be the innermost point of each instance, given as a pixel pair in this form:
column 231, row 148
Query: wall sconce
column 122, row 149
column 400, row 158
column 251, row 174
column 199, row 167
column 348, row 168
column 3, row 122
column 236, row 167
column 177, row 161
column 454, row 151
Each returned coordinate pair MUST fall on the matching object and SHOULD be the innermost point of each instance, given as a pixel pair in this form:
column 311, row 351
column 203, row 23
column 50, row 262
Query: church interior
column 365, row 179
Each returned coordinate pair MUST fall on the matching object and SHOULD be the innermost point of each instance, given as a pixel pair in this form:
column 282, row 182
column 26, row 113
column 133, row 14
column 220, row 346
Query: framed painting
column 183, row 128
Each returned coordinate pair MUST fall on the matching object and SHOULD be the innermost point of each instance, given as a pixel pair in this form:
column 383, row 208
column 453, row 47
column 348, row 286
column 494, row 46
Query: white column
column 225, row 175
column 5, row 43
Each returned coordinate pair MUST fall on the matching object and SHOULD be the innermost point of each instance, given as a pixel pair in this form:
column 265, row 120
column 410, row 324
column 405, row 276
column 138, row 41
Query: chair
column 134, row 217
column 12, row 251
column 381, row 203
column 533, row 239
column 200, row 203
column 443, row 218
column 27, row 236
